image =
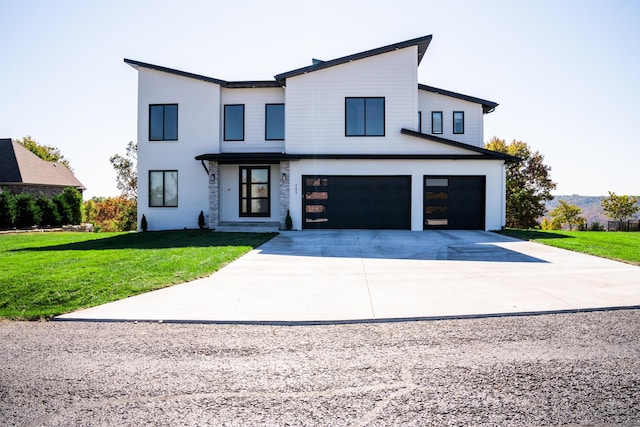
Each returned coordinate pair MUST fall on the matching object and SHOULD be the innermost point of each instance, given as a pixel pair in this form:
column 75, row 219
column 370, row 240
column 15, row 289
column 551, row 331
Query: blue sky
column 565, row 73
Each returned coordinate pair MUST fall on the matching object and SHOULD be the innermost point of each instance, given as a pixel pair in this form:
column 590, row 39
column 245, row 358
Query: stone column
column 214, row 194
column 284, row 192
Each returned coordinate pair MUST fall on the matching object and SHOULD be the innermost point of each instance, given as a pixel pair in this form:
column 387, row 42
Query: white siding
column 473, row 117
column 198, row 130
column 254, row 100
column 493, row 170
column 315, row 105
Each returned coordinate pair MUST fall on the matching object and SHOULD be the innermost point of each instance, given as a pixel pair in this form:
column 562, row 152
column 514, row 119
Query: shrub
column 143, row 223
column 74, row 200
column 201, row 220
column 62, row 208
column 7, row 209
column 288, row 222
column 596, row 226
column 27, row 213
column 112, row 213
column 48, row 211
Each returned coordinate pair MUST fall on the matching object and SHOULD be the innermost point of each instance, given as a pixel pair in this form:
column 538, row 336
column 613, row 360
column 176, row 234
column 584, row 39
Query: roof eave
column 487, row 106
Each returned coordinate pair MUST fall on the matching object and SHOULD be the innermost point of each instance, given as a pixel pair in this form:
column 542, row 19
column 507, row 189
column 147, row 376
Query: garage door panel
column 454, row 202
column 357, row 202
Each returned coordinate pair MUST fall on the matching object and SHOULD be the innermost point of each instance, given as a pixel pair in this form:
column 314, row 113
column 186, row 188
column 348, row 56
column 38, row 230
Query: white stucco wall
column 491, row 169
column 198, row 130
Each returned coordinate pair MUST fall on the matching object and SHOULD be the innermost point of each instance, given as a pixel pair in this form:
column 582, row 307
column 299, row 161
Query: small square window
column 364, row 116
column 458, row 122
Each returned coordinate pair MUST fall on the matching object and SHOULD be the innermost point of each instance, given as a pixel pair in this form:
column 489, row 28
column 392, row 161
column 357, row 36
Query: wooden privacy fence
column 630, row 225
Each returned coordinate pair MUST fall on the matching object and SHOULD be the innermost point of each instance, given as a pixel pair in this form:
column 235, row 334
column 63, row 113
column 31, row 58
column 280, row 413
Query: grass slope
column 46, row 274
column 613, row 245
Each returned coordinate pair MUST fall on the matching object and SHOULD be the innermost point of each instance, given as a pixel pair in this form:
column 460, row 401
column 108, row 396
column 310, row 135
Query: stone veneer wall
column 214, row 194
column 284, row 193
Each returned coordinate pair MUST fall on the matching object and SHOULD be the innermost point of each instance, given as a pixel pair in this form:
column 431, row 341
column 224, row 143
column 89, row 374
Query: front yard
column 618, row 246
column 46, row 274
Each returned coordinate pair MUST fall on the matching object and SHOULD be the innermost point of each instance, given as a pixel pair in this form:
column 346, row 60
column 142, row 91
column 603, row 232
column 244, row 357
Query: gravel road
column 568, row 369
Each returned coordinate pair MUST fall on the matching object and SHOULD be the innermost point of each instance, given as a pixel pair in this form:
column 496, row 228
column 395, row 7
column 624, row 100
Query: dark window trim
column 249, row 198
column 224, row 131
column 441, row 121
column 266, row 107
column 420, row 121
column 384, row 114
column 164, row 171
column 454, row 122
column 177, row 129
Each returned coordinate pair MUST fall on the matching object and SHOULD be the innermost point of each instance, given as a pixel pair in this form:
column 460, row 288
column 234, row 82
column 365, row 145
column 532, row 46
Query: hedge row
column 23, row 210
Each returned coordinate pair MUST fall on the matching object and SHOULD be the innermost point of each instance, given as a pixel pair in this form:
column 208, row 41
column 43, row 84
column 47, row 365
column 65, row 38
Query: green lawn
column 618, row 246
column 46, row 274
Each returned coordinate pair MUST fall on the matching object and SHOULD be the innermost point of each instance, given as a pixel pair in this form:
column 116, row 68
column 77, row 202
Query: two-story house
column 349, row 143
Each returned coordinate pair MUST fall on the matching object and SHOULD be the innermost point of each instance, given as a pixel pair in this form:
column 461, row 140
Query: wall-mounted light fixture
column 284, row 177
column 213, row 177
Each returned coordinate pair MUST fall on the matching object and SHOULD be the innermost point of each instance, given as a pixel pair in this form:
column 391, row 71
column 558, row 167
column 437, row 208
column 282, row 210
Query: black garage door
column 357, row 202
column 454, row 202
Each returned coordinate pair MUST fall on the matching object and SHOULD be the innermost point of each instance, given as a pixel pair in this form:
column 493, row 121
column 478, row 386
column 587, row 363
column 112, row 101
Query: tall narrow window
column 458, row 122
column 255, row 198
column 420, row 121
column 234, row 122
column 436, row 122
column 163, row 188
column 163, row 122
column 364, row 116
column 274, row 122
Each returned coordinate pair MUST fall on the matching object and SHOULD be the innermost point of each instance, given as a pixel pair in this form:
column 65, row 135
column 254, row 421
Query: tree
column 126, row 171
column 566, row 213
column 27, row 212
column 620, row 207
column 45, row 152
column 7, row 209
column 528, row 183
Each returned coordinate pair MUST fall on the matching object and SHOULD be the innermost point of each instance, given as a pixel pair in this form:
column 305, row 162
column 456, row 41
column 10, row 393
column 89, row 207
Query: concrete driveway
column 364, row 275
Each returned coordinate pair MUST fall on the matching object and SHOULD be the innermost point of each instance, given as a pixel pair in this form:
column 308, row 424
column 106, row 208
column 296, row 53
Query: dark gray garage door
column 357, row 202
column 454, row 202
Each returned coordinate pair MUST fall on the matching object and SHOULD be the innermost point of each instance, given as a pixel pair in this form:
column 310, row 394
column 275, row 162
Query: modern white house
column 350, row 143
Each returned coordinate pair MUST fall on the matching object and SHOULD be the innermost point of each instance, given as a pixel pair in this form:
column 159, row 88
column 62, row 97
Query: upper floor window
column 234, row 122
column 163, row 188
column 458, row 122
column 436, row 122
column 364, row 116
column 163, row 122
column 274, row 122
column 420, row 121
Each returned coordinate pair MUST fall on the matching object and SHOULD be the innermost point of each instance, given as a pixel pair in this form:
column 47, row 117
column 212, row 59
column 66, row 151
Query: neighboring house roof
column 421, row 42
column 19, row 166
column 487, row 106
column 494, row 154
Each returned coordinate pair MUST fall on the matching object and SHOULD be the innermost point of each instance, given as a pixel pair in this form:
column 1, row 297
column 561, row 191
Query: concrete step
column 248, row 226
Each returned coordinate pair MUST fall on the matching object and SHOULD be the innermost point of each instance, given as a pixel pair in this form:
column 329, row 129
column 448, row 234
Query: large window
column 254, row 191
column 436, row 122
column 163, row 122
column 163, row 188
column 274, row 122
column 234, row 122
column 458, row 122
column 364, row 116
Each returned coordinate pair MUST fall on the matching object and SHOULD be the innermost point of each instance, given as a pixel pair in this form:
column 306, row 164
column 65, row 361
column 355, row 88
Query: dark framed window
column 255, row 191
column 436, row 122
column 163, row 188
column 420, row 121
column 163, row 122
column 458, row 122
column 364, row 116
column 274, row 122
column 234, row 122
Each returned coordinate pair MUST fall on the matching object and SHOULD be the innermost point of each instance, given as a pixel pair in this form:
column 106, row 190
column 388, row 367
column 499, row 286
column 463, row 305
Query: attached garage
column 454, row 202
column 356, row 202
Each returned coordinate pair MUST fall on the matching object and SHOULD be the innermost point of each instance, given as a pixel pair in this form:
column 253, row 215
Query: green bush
column 48, row 211
column 27, row 212
column 143, row 223
column 201, row 222
column 7, row 209
column 63, row 210
column 74, row 200
column 596, row 226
